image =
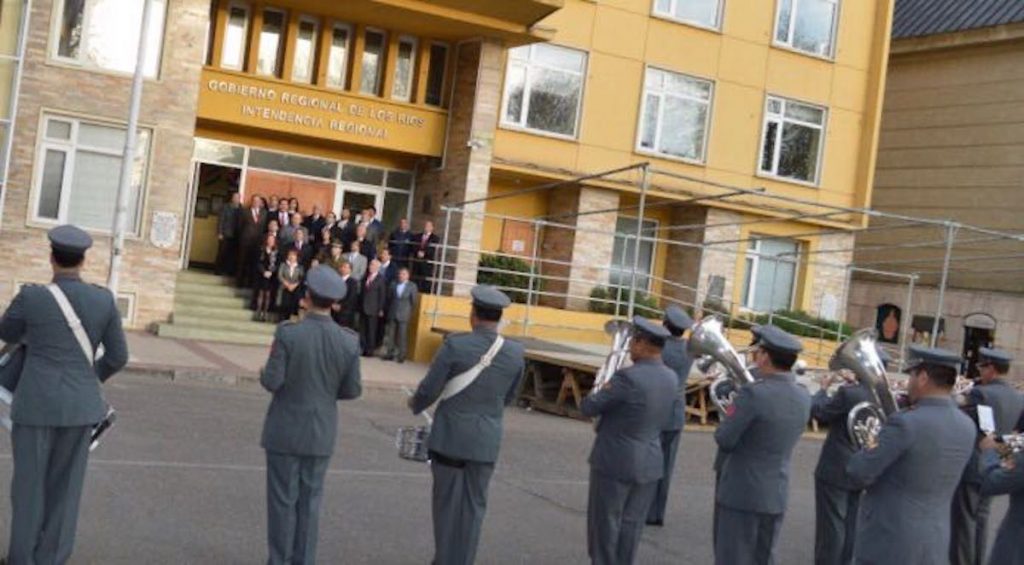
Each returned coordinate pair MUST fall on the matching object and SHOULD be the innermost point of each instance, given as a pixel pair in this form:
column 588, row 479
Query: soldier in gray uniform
column 312, row 364
column 675, row 357
column 466, row 435
column 627, row 460
column 911, row 473
column 1005, row 477
column 836, row 498
column 970, row 509
column 758, row 436
column 57, row 399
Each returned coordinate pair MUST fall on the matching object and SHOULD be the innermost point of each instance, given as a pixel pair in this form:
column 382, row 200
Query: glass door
column 357, row 199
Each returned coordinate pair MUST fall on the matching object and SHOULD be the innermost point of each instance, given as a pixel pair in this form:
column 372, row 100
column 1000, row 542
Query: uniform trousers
column 49, row 468
column 746, row 538
column 458, row 508
column 835, row 523
column 295, row 488
column 969, row 520
column 615, row 518
column 669, row 447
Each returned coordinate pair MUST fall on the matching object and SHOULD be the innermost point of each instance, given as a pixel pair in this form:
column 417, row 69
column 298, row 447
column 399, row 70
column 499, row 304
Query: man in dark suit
column 473, row 376
column 57, row 397
column 282, row 215
column 374, row 229
column 402, row 298
column 367, row 246
column 314, row 225
column 227, row 236
column 303, row 247
column 345, row 229
column 252, row 223
column 423, row 256
column 912, row 470
column 312, row 365
column 374, row 300
column 626, row 461
column 388, row 267
column 346, row 311
column 401, row 243
column 758, row 435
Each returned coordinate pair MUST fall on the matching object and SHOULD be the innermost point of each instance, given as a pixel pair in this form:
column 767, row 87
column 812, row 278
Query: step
column 185, row 288
column 203, row 278
column 217, row 323
column 203, row 334
column 233, row 313
column 227, row 302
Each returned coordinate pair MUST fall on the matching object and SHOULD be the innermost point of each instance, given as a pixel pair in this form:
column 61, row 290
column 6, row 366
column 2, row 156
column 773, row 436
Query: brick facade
column 168, row 107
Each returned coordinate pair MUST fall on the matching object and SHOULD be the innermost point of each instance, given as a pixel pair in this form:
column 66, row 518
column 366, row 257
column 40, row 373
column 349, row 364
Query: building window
column 373, row 62
column 675, row 114
column 768, row 283
column 77, row 173
column 268, row 60
column 337, row 60
column 435, row 74
column 807, row 25
column 104, row 34
column 236, row 43
column 622, row 254
column 405, row 63
column 543, row 88
column 704, row 13
column 793, row 134
column 305, row 50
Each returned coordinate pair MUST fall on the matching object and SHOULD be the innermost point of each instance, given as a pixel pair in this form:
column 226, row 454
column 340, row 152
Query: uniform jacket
column 1006, row 404
column 468, row 426
column 758, row 439
column 228, row 221
column 58, row 387
column 374, row 296
column 837, row 449
column 676, row 358
column 909, row 480
column 1007, row 549
column 312, row 364
column 400, row 308
column 633, row 411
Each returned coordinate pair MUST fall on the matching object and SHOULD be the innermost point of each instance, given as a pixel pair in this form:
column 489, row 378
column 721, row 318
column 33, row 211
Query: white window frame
column 381, row 66
column 70, row 147
column 410, row 40
column 314, row 52
column 753, row 258
column 670, row 15
column 627, row 238
column 661, row 111
column 54, row 43
column 788, row 42
column 349, row 30
column 521, row 124
column 781, row 120
column 245, row 36
column 281, row 44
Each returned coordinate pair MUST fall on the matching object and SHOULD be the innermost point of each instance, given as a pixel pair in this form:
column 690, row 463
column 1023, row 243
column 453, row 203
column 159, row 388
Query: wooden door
column 310, row 192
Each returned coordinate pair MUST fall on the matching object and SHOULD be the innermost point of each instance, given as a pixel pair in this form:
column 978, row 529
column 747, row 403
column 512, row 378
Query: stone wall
column 168, row 107
column 720, row 260
column 828, row 287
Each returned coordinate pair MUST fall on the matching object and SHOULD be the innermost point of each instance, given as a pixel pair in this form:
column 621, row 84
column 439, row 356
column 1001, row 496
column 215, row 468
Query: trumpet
column 621, row 332
column 707, row 339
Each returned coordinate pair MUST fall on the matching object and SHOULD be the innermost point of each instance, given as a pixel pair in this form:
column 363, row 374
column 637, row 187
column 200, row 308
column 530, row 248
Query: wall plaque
column 164, row 230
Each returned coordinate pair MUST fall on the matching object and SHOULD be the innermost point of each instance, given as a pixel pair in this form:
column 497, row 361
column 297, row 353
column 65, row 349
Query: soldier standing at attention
column 758, row 436
column 474, row 375
column 911, row 473
column 970, row 509
column 675, row 357
column 313, row 364
column 57, row 399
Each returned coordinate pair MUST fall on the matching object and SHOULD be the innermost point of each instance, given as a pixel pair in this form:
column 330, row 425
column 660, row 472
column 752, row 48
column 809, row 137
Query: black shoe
column 401, row 360
column 388, row 357
column 658, row 523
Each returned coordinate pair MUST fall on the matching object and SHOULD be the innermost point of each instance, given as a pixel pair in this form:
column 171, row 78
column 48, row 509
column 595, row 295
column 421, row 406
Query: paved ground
column 180, row 480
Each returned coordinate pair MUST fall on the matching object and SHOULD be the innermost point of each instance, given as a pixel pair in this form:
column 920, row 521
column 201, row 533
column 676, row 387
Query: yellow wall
column 527, row 206
column 10, row 19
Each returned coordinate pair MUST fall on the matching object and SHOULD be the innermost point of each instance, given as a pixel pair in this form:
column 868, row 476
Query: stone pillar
column 464, row 173
column 682, row 262
column 828, row 285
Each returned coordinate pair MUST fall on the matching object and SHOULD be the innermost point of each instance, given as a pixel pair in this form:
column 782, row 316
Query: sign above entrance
column 251, row 102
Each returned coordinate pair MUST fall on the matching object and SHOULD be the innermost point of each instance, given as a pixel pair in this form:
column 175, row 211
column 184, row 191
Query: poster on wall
column 887, row 322
column 164, row 229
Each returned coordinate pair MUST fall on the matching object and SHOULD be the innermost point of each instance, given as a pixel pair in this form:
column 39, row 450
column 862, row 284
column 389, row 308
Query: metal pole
column 439, row 268
column 19, row 67
column 951, row 229
column 905, row 322
column 128, row 158
column 771, row 292
column 644, row 184
column 533, row 275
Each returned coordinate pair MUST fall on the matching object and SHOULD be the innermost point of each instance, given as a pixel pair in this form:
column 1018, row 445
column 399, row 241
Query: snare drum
column 411, row 442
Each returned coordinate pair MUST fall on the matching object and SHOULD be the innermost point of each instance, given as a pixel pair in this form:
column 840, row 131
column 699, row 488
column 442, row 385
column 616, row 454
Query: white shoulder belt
column 460, row 382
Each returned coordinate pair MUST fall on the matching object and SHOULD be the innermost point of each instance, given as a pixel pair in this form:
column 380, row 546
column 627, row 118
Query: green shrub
column 644, row 304
column 506, row 280
column 800, row 323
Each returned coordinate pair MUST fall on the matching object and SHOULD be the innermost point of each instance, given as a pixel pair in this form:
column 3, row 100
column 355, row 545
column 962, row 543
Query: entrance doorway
column 214, row 186
column 979, row 331
column 357, row 201
column 310, row 192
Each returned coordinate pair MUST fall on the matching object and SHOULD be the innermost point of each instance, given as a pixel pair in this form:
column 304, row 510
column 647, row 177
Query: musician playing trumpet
column 1004, row 475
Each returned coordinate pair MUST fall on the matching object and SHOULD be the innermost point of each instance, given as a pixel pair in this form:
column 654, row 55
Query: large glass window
column 305, row 50
column 792, row 141
column 436, row 73
column 704, row 13
column 807, row 25
column 77, row 176
column 287, row 163
column 770, row 274
column 405, row 65
column 105, row 34
column 543, row 88
column 235, row 47
column 268, row 60
column 337, row 59
column 622, row 254
column 373, row 62
column 675, row 114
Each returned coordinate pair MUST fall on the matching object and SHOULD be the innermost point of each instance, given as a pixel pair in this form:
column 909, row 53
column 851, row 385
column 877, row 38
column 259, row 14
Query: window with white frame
column 337, row 57
column 373, row 62
column 235, row 47
column 807, row 25
column 770, row 278
column 623, row 250
column 405, row 63
column 268, row 57
column 674, row 118
column 543, row 88
column 305, row 50
column 104, row 34
column 704, row 13
column 791, row 146
column 77, row 169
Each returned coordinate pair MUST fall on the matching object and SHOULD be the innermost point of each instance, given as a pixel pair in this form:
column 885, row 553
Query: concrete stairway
column 210, row 308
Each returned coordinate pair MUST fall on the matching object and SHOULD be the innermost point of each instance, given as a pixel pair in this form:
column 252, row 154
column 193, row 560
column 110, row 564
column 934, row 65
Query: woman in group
column 266, row 279
column 290, row 276
column 293, row 205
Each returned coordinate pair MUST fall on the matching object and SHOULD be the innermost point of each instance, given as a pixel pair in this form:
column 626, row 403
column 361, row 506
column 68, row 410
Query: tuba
column 859, row 354
column 621, row 332
column 707, row 339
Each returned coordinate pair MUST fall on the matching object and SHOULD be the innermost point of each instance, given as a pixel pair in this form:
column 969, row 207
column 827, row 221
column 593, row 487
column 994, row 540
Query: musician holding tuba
column 764, row 424
column 1004, row 474
column 909, row 472
column 626, row 460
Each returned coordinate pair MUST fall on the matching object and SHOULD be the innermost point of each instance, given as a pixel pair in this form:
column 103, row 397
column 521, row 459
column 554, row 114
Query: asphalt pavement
column 180, row 480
